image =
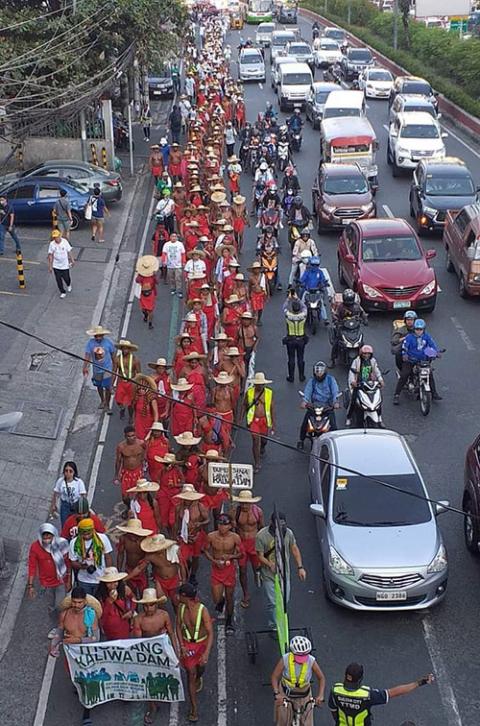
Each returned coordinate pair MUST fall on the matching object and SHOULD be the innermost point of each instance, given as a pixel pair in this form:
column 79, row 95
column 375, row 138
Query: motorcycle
column 294, row 231
column 315, row 33
column 296, row 140
column 316, row 311
column 269, row 262
column 418, row 385
column 270, row 217
column 253, row 158
column 350, row 339
column 318, row 420
column 368, row 405
column 333, row 74
column 283, row 154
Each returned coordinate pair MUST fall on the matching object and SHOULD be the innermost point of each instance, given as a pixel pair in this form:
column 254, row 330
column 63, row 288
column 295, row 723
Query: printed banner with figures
column 144, row 669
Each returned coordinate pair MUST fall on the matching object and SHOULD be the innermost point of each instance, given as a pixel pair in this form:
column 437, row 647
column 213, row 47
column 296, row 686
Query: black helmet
column 298, row 201
column 269, row 229
column 348, row 297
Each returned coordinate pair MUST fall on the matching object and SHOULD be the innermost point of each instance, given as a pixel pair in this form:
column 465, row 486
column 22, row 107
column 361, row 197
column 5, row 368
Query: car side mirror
column 318, row 510
column 350, row 259
column 439, row 115
column 393, row 132
column 440, row 507
column 444, row 135
column 430, row 254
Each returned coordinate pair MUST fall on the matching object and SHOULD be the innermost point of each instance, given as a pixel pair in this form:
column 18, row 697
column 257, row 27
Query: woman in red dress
column 126, row 365
column 191, row 325
column 157, row 445
column 143, row 505
column 182, row 416
column 118, row 607
column 184, row 347
column 147, row 267
column 203, row 221
column 239, row 219
column 145, row 404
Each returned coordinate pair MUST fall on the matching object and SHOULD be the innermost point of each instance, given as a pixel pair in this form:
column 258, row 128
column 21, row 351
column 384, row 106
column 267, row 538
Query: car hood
column 385, row 547
column 381, row 85
column 347, row 200
column 444, row 203
column 422, row 144
column 395, row 274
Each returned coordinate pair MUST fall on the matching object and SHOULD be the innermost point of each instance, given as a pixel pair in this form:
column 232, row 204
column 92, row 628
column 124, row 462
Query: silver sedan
column 381, row 549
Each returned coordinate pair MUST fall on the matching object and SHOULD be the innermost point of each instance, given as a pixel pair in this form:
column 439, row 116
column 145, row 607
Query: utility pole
column 395, row 24
column 349, row 12
column 130, row 137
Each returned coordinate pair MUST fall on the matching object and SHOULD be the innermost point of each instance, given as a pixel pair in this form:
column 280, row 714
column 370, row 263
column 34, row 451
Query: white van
column 344, row 103
column 251, row 66
column 264, row 32
column 279, row 61
column 279, row 41
column 294, row 86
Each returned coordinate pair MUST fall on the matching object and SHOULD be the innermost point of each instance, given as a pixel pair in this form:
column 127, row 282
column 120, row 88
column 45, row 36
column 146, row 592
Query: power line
column 37, row 18
column 240, row 427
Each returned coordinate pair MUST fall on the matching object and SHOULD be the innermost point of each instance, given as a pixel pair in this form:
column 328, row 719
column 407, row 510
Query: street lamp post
column 395, row 24
column 349, row 12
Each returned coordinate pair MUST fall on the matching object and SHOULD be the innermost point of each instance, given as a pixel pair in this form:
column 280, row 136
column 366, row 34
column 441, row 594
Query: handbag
column 88, row 211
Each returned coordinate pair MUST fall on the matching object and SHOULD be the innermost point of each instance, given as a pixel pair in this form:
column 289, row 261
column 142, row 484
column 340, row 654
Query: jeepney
column 350, row 140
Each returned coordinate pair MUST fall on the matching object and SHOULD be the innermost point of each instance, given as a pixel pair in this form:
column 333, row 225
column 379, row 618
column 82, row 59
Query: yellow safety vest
column 122, row 364
column 296, row 327
column 251, row 408
column 198, row 622
column 356, row 715
column 294, row 680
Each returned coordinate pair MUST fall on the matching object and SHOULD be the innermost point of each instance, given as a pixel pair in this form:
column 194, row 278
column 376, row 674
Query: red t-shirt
column 41, row 562
column 70, row 529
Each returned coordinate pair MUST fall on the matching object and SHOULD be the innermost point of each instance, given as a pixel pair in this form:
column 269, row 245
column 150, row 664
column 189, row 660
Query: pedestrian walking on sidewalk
column 146, row 121
column 173, row 258
column 60, row 261
column 63, row 212
column 7, row 224
column 175, row 123
column 99, row 209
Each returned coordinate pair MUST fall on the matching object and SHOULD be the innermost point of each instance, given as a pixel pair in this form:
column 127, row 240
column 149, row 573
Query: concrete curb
column 17, row 589
column 456, row 115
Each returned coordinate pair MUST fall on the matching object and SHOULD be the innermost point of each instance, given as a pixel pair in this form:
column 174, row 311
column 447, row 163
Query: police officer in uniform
column 351, row 702
column 295, row 339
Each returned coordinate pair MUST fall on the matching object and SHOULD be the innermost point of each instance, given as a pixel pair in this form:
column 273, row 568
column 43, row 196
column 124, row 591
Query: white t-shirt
column 173, row 252
column 195, row 266
column 60, row 251
column 70, row 491
column 83, row 575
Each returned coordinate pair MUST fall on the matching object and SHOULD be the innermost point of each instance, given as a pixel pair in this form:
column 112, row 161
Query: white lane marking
column 260, row 85
column 222, row 676
column 44, row 691
column 174, row 711
column 386, row 127
column 388, row 211
column 463, row 334
column 447, row 694
column 461, row 141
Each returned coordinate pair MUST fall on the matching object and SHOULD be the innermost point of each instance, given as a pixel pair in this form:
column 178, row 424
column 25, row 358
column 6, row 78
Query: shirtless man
column 162, row 554
column 153, row 621
column 77, row 624
column 234, row 365
column 195, row 635
column 129, row 553
column 223, row 548
column 129, row 458
column 248, row 520
column 191, row 518
column 247, row 337
column 258, row 407
column 224, row 404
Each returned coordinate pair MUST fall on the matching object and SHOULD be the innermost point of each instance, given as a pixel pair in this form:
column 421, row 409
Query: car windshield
column 321, row 96
column 363, row 56
column 419, row 87
column 380, row 76
column 346, row 185
column 419, row 131
column 281, row 42
column 450, row 186
column 297, row 79
column 251, row 58
column 361, row 502
column 335, row 34
column 390, row 249
column 336, row 112
column 299, row 49
column 266, row 28
column 328, row 45
column 426, row 108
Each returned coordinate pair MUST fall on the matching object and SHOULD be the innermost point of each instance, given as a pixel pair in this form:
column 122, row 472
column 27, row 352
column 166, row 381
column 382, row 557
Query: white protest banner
column 219, row 475
column 144, row 669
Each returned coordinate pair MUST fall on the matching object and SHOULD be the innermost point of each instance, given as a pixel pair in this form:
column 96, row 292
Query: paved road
column 395, row 648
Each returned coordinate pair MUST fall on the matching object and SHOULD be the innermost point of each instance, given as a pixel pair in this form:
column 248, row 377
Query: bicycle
column 297, row 714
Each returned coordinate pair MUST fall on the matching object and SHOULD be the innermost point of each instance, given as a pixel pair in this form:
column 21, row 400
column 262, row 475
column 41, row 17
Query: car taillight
column 113, row 182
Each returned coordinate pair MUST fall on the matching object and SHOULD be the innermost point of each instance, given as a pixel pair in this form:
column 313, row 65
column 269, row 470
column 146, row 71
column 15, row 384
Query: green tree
column 404, row 8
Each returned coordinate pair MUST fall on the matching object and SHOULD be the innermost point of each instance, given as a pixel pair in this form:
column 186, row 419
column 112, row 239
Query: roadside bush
column 450, row 64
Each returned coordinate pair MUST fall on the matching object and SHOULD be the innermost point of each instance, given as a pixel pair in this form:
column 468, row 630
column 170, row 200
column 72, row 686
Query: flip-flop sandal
column 245, row 603
column 193, row 718
column 147, row 719
column 199, row 684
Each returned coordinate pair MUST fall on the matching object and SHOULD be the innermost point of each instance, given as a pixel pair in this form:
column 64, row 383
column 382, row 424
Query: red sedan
column 383, row 260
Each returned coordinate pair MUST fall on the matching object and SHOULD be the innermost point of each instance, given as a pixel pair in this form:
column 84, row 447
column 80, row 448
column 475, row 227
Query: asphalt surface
column 394, row 648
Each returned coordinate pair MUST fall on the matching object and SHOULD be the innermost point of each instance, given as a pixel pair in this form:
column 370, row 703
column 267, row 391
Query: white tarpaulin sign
column 219, row 475
column 144, row 669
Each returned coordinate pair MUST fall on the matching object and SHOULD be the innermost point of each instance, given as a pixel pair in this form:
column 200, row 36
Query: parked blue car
column 33, row 199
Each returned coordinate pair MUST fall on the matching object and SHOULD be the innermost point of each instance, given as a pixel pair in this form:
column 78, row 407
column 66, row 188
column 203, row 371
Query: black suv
column 355, row 61
column 437, row 186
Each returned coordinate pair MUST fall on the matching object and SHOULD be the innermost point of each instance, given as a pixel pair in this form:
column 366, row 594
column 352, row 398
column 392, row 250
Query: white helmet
column 305, row 254
column 299, row 645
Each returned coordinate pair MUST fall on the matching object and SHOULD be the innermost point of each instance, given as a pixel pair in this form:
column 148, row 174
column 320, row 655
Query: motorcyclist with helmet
column 290, row 179
column 295, row 122
column 348, row 308
column 272, row 195
column 270, row 111
column 314, row 279
column 298, row 214
column 364, row 368
column 321, row 390
column 267, row 251
column 416, row 347
column 292, row 679
column 399, row 333
column 165, row 211
column 304, row 242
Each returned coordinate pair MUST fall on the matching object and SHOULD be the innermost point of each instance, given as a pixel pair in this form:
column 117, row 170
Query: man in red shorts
column 223, row 548
column 191, row 518
column 130, row 554
column 259, row 410
column 129, row 458
column 248, row 519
